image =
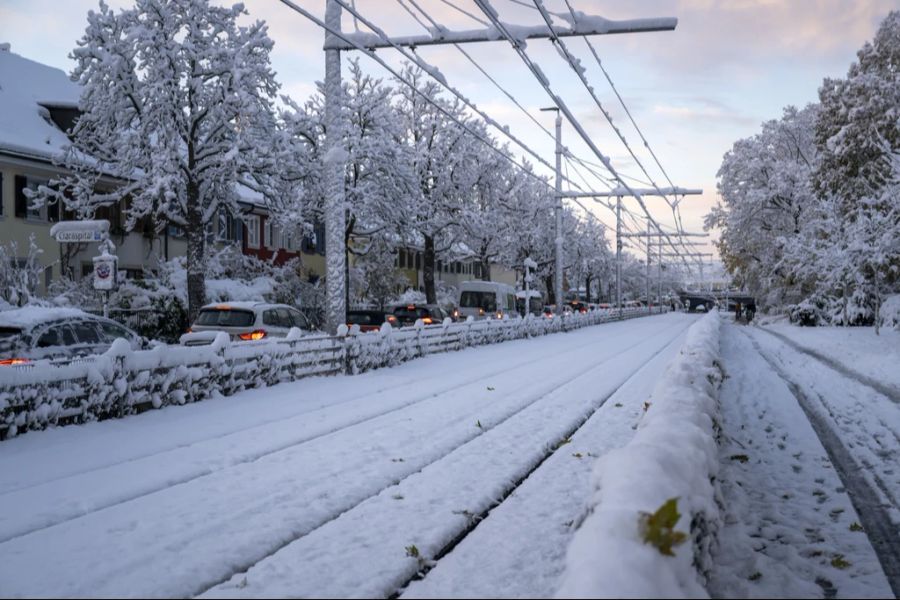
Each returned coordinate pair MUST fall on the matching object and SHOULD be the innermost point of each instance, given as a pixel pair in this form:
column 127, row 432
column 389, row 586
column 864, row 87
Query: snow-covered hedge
column 122, row 382
column 672, row 455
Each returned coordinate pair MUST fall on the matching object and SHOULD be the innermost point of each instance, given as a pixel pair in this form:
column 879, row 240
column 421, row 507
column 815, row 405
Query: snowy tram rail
column 338, row 486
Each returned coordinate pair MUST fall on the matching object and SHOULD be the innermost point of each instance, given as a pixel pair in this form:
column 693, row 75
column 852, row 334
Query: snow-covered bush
column 622, row 550
column 20, row 275
column 890, row 312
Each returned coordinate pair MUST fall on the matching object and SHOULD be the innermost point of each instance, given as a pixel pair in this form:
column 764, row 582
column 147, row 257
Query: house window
column 22, row 202
column 267, row 233
column 418, row 260
column 252, row 223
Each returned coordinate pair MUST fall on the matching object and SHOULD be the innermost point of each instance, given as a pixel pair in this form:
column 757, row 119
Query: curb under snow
column 673, row 454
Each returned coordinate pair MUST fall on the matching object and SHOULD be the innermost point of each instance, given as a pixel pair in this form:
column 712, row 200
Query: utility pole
column 619, row 193
column 619, row 254
column 335, row 218
column 650, row 235
column 558, row 233
column 647, row 276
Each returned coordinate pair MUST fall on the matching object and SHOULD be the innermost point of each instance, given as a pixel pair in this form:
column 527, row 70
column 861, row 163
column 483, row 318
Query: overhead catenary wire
column 428, row 69
column 518, row 46
column 625, row 108
column 371, row 54
column 439, row 27
column 575, row 64
column 538, row 6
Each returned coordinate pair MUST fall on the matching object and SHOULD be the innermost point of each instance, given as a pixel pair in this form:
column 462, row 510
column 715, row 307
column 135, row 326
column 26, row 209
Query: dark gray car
column 35, row 333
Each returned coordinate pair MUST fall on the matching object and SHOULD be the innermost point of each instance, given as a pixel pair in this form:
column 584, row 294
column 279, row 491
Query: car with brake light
column 408, row 314
column 370, row 320
column 34, row 333
column 244, row 322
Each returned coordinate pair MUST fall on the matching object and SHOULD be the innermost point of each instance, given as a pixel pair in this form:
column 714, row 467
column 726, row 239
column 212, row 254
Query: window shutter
column 21, row 200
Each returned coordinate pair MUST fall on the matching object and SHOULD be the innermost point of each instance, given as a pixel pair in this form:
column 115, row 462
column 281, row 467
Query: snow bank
column 890, row 312
column 673, row 455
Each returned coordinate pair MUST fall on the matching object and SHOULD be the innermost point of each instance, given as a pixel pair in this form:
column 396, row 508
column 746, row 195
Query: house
column 38, row 103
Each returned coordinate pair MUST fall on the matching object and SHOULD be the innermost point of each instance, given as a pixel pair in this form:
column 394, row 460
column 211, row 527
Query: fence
column 121, row 382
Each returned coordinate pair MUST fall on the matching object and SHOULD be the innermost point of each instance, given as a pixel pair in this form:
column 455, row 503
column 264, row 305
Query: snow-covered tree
column 177, row 103
column 443, row 160
column 765, row 189
column 858, row 129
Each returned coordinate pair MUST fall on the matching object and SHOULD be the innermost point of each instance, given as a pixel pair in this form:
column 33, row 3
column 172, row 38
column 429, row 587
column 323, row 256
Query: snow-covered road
column 337, row 486
column 809, row 479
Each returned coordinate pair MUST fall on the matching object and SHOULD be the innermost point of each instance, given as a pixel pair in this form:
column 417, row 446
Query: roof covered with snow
column 26, row 85
column 29, row 316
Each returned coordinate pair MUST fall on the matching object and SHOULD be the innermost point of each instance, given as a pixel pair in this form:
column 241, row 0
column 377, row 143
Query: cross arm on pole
column 593, row 26
column 666, row 191
column 673, row 234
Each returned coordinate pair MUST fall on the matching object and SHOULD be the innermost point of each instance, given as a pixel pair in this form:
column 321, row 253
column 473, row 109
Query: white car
column 244, row 321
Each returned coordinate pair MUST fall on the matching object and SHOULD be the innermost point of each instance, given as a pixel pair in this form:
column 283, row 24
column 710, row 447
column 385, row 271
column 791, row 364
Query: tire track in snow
column 208, row 587
column 876, row 520
column 887, row 391
column 288, row 444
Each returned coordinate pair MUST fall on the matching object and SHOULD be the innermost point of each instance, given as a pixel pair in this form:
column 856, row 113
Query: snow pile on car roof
column 28, row 316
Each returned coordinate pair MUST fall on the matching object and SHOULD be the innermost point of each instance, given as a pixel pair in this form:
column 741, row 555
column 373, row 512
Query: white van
column 486, row 300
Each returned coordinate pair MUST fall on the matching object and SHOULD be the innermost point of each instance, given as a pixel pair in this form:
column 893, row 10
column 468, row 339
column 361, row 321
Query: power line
column 371, row 54
column 518, row 46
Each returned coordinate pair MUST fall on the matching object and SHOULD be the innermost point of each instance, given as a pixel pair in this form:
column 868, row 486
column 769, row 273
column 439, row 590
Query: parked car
column 578, row 306
column 370, row 320
column 34, row 333
column 550, row 310
column 486, row 300
column 408, row 314
column 244, row 321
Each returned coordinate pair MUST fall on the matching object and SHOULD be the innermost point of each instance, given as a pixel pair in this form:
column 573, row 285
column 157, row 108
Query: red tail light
column 8, row 362
column 253, row 335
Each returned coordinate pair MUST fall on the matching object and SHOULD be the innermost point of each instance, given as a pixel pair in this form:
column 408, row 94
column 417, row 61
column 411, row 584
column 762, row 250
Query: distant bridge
column 725, row 300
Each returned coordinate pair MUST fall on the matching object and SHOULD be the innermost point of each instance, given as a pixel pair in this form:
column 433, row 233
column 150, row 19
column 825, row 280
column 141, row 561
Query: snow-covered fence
column 122, row 382
column 618, row 552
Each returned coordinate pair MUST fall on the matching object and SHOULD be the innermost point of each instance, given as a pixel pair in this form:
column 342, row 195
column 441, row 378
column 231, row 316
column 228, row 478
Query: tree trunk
column 196, row 253
column 551, row 292
column 428, row 270
column 351, row 221
column 485, row 269
column 587, row 289
column 846, row 324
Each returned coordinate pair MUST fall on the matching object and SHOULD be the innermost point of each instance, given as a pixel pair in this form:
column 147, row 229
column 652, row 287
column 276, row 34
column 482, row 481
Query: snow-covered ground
column 858, row 349
column 809, row 469
column 337, row 486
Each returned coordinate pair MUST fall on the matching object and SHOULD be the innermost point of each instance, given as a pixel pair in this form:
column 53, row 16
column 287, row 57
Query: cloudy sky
column 728, row 66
